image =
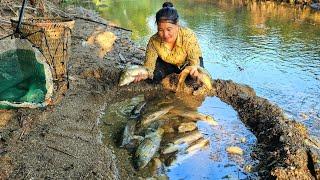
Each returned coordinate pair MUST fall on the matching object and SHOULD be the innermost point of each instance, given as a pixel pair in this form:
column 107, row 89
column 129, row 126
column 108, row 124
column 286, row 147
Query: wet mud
column 64, row 140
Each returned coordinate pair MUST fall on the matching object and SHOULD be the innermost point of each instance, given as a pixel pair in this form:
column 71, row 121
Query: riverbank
column 64, row 141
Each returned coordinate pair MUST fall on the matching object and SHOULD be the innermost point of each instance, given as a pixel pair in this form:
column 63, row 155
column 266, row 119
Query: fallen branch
column 90, row 20
column 27, row 7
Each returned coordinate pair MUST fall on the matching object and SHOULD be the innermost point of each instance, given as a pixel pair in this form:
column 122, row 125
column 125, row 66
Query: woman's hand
column 194, row 72
column 140, row 77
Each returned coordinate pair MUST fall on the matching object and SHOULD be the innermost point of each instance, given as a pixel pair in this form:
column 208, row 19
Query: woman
column 172, row 48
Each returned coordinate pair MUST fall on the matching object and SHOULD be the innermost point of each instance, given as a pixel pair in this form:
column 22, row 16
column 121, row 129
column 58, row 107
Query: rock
column 315, row 157
column 234, row 150
column 5, row 117
column 102, row 39
column 95, row 73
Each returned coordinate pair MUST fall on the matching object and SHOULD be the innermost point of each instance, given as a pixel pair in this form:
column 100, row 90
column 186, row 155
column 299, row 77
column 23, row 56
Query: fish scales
column 148, row 148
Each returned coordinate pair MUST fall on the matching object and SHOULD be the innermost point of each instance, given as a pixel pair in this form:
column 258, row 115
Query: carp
column 128, row 138
column 136, row 111
column 129, row 74
column 185, row 127
column 181, row 142
column 152, row 116
column 194, row 116
column 188, row 138
column 157, row 169
column 148, row 148
column 179, row 157
column 198, row 145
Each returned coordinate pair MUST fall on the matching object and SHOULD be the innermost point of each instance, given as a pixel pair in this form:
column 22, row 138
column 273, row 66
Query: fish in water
column 194, row 116
column 136, row 111
column 152, row 116
column 148, row 148
column 197, row 145
column 129, row 74
column 179, row 157
column 188, row 138
column 188, row 126
column 182, row 142
column 157, row 169
column 129, row 140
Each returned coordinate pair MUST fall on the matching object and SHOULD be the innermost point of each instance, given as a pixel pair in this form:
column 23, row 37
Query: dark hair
column 168, row 13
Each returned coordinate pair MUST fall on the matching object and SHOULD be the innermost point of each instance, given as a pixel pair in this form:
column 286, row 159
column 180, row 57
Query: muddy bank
column 63, row 141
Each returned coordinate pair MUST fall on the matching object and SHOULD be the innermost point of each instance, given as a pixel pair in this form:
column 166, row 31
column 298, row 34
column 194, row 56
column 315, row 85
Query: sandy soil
column 64, row 141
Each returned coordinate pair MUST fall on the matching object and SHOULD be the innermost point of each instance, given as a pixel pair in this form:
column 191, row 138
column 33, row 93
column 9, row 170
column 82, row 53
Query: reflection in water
column 172, row 136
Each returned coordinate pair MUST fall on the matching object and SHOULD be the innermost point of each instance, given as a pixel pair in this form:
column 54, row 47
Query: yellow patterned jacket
column 186, row 49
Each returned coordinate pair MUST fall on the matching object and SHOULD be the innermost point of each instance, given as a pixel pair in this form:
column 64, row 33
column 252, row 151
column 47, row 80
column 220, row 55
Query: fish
column 188, row 138
column 179, row 157
column 136, row 111
column 194, row 116
column 128, row 138
column 148, row 148
column 128, row 75
column 185, row 127
column 171, row 147
column 152, row 116
column 197, row 145
column 181, row 143
column 157, row 169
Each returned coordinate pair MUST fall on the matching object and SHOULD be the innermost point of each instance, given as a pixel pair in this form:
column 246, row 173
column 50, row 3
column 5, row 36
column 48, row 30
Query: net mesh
column 25, row 77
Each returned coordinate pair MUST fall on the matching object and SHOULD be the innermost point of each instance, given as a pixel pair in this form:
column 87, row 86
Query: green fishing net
column 24, row 75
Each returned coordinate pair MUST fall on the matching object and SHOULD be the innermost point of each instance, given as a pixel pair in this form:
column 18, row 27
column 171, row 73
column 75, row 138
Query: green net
column 23, row 77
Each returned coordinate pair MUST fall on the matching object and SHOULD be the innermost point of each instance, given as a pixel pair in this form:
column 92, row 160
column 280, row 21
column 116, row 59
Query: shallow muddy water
column 273, row 48
column 211, row 162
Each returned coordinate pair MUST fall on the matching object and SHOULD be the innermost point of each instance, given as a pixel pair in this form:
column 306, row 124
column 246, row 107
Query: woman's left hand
column 194, row 72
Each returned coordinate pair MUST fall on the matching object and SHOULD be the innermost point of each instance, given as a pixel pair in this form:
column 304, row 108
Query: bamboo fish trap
column 53, row 38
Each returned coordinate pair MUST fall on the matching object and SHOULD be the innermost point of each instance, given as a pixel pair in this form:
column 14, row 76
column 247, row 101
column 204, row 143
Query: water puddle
column 178, row 138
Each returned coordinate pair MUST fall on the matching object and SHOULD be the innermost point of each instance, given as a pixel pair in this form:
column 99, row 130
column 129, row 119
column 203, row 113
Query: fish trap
column 52, row 36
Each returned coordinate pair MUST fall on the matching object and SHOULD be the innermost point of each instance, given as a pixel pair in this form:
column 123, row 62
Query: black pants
column 163, row 69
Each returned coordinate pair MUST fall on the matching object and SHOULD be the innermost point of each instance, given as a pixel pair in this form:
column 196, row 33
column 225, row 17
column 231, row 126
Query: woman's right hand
column 140, row 77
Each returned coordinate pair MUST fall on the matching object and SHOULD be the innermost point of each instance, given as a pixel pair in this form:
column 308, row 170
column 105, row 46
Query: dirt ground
column 64, row 140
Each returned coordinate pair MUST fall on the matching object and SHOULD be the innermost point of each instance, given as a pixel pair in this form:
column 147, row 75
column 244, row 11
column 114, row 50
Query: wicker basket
column 53, row 38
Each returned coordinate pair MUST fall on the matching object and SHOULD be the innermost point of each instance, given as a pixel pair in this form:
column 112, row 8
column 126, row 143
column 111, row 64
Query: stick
column 117, row 27
column 62, row 151
column 66, row 15
column 27, row 7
